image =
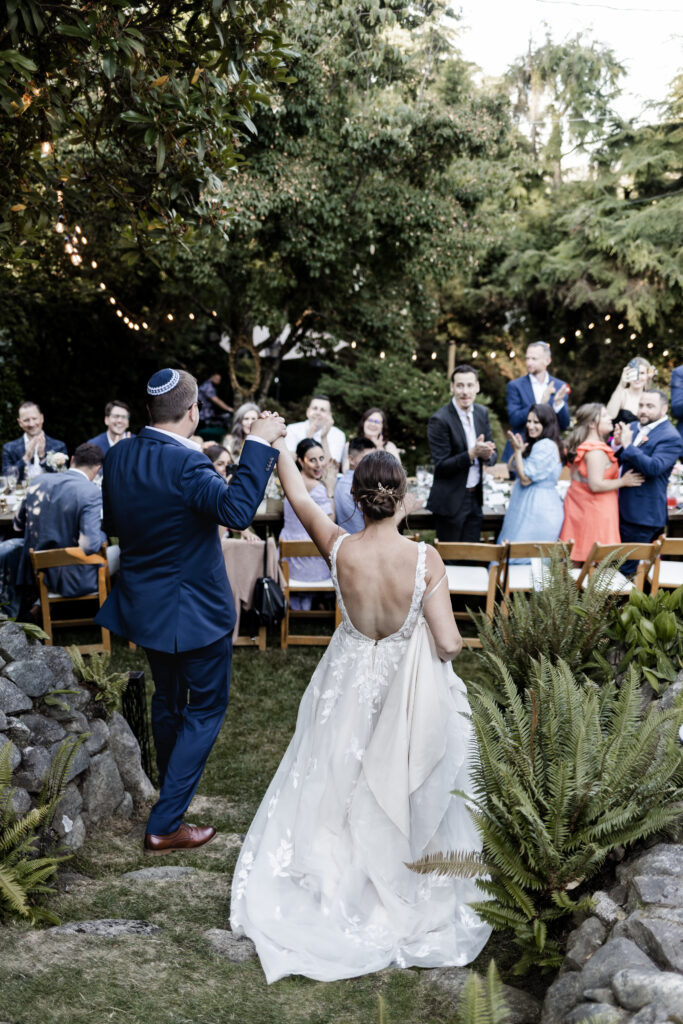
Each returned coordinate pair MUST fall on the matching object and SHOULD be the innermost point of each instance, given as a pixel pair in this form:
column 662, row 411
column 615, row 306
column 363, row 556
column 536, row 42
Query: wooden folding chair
column 57, row 558
column 303, row 549
column 616, row 582
column 531, row 574
column 477, row 572
column 665, row 572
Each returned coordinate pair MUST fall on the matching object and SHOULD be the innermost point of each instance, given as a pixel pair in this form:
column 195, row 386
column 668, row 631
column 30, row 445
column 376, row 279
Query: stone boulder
column 126, row 751
column 34, row 770
column 12, row 699
column 635, row 989
column 15, row 760
column 103, row 789
column 44, row 731
column 14, row 643
column 32, row 677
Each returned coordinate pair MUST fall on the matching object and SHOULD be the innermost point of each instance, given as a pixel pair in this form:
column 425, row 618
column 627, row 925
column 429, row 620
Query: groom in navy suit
column 652, row 452
column 163, row 499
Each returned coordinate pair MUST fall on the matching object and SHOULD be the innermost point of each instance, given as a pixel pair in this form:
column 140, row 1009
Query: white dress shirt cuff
column 260, row 440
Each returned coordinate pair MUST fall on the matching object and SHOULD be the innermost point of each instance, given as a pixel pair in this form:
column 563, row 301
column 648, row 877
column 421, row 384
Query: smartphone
column 633, row 371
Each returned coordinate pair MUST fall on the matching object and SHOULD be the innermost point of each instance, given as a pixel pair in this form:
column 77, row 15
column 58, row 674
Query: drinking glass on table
column 12, row 475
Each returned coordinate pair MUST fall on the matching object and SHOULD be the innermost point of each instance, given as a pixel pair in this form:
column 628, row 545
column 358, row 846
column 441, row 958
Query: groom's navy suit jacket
column 163, row 501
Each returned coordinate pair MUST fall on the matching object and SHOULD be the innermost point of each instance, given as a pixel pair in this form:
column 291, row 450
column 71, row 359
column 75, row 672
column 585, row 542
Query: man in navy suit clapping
column 652, row 452
column 164, row 500
column 536, row 388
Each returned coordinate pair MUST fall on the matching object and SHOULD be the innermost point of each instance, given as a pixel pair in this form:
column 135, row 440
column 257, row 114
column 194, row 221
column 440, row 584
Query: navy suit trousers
column 188, row 707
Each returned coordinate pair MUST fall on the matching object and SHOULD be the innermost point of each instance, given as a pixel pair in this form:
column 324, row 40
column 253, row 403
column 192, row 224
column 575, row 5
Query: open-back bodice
column 405, row 630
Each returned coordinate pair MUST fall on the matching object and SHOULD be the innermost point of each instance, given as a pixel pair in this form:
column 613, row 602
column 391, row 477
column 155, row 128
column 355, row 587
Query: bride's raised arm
column 317, row 523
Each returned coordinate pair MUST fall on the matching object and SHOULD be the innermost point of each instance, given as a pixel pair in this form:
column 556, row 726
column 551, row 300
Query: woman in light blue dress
column 535, row 511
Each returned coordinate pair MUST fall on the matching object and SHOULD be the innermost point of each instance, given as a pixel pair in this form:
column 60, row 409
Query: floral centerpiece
column 57, row 462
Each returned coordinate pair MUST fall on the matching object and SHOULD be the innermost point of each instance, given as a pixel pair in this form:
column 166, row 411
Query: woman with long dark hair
column 366, row 785
column 535, row 511
column 311, row 461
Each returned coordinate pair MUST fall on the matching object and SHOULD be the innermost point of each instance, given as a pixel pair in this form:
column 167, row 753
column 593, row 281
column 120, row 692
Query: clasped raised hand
column 270, row 426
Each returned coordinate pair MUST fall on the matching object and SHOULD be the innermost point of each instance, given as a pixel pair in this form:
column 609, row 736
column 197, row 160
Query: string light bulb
column 632, row 337
column 112, row 300
column 591, row 326
column 620, row 327
column 145, row 325
column 46, row 148
column 650, row 344
column 119, row 313
column 433, row 355
column 191, row 316
column 562, row 340
column 414, row 357
column 665, row 352
column 608, row 341
column 577, row 334
column 607, row 318
column 382, row 355
column 512, row 354
column 68, row 248
column 93, row 264
column 76, row 259
column 475, row 353
column 353, row 344
column 169, row 316
column 492, row 354
column 103, row 286
column 214, row 313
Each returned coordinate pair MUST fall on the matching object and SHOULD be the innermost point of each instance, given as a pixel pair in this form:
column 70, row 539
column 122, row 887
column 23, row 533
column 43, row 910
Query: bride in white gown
column 321, row 885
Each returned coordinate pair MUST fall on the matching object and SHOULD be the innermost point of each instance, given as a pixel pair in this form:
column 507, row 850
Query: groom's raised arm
column 235, row 505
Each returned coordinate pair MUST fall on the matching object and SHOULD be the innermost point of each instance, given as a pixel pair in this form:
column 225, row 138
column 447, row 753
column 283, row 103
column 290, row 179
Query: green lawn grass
column 176, row 977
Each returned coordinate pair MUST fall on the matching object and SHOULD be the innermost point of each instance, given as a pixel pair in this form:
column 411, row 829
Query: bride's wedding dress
column 321, row 885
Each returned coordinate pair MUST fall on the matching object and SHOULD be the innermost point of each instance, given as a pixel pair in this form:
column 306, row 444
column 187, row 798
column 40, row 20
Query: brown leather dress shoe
column 185, row 837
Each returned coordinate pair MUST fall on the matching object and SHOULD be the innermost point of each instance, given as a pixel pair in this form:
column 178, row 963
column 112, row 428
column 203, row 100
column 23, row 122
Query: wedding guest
column 212, row 408
column 117, row 421
column 221, row 459
column 310, row 458
column 64, row 510
column 677, row 396
column 373, row 426
column 535, row 511
column 29, row 452
column 591, row 505
column 349, row 516
column 319, row 425
column 635, row 378
column 242, row 422
column 223, row 464
column 461, row 444
column 536, row 388
column 652, row 452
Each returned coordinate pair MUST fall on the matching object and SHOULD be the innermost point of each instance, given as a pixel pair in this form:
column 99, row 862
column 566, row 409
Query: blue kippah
column 162, row 381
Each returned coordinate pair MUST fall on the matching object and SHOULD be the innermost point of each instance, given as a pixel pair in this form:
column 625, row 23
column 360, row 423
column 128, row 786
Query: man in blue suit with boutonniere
column 652, row 451
column 536, row 388
column 163, row 499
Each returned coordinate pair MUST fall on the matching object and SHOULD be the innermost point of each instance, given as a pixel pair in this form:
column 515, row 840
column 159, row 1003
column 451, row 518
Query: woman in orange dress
column 591, row 505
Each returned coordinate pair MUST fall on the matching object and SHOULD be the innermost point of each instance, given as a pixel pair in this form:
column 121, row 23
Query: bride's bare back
column 376, row 576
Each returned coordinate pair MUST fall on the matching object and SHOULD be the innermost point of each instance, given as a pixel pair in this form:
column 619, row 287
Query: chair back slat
column 456, row 551
column 298, row 549
column 57, row 557
column 539, row 549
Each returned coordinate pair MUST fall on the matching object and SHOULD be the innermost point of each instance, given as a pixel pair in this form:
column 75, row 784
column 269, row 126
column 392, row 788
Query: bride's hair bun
column 379, row 484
